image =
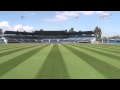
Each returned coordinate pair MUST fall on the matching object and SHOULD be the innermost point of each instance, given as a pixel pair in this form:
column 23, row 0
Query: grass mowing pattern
column 81, row 61
column 54, row 66
column 105, row 69
column 106, row 49
column 100, row 47
column 13, row 51
column 11, row 47
column 30, row 67
column 12, row 63
column 77, row 67
column 99, row 52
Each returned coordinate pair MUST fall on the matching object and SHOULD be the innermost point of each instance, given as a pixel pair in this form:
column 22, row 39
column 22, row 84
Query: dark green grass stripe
column 12, row 63
column 11, row 45
column 106, row 49
column 54, row 66
column 102, row 48
column 114, row 47
column 3, row 48
column 11, row 48
column 99, row 52
column 105, row 69
column 16, row 50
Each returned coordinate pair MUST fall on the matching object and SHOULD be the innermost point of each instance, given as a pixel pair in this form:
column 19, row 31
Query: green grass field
column 59, row 61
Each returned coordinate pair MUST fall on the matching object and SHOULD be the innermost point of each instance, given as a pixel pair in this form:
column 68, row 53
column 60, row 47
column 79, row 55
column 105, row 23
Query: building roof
column 62, row 32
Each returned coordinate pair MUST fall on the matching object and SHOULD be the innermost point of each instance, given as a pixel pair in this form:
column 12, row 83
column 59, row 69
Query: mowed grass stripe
column 109, row 60
column 78, row 68
column 102, row 48
column 29, row 68
column 105, row 69
column 54, row 66
column 12, row 55
column 14, row 47
column 13, row 51
column 101, row 52
column 113, row 46
column 11, row 46
column 7, row 50
column 5, row 46
column 12, row 63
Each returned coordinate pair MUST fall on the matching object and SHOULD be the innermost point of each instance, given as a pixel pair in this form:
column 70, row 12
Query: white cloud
column 4, row 24
column 62, row 16
column 17, row 27
column 28, row 28
column 58, row 18
column 69, row 13
column 86, row 12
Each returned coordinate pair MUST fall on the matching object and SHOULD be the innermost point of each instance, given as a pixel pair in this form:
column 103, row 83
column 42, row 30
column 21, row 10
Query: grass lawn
column 59, row 61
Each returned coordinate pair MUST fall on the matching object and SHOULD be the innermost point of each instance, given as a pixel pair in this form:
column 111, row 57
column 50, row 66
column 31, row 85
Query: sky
column 61, row 20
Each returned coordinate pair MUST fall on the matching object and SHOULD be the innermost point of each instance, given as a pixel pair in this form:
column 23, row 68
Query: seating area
column 20, row 39
column 47, row 37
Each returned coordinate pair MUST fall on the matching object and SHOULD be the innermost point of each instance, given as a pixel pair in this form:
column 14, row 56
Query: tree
column 98, row 33
column 80, row 30
column 71, row 30
column 0, row 33
column 41, row 29
column 65, row 30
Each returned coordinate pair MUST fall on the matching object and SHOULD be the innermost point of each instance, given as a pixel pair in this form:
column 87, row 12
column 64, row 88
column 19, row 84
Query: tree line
column 0, row 33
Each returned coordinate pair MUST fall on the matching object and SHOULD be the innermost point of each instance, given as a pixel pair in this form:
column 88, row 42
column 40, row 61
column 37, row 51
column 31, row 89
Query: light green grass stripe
column 103, row 58
column 104, row 68
column 102, row 52
column 6, row 46
column 10, row 47
column 9, row 65
column 78, row 68
column 12, row 55
column 13, row 51
column 6, row 50
column 29, row 68
column 103, row 48
column 113, row 46
column 54, row 66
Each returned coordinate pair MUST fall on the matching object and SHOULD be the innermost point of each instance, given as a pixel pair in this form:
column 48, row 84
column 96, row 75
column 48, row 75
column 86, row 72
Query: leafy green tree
column 0, row 33
column 71, row 30
column 66, row 30
column 98, row 33
column 41, row 29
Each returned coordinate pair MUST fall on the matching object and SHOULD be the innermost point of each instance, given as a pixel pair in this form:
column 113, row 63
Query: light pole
column 108, row 16
column 101, row 17
column 108, row 27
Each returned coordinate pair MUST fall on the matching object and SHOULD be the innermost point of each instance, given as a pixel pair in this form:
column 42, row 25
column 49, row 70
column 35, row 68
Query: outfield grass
column 59, row 61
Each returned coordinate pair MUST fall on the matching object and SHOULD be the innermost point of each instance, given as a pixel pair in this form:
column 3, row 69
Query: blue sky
column 61, row 20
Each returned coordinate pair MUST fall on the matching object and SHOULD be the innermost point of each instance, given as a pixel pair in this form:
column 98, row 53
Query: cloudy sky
column 60, row 20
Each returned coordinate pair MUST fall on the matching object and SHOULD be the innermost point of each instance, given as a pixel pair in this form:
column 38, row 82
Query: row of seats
column 32, row 40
